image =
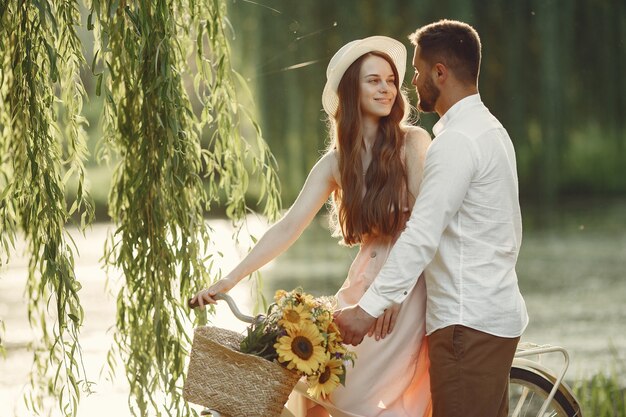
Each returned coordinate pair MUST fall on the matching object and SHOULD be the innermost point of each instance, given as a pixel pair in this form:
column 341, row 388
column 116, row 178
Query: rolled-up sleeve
column 449, row 168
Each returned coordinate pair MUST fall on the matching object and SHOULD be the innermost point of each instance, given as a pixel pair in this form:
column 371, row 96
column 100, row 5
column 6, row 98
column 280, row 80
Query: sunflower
column 279, row 294
column 294, row 316
column 327, row 379
column 335, row 348
column 301, row 348
column 333, row 331
column 306, row 299
column 323, row 318
column 333, row 337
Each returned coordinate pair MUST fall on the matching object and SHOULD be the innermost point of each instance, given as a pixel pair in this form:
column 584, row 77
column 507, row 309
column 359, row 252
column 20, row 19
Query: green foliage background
column 149, row 57
column 552, row 72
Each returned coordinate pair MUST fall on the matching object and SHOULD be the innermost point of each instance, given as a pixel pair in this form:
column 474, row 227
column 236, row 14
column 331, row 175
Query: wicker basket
column 233, row 383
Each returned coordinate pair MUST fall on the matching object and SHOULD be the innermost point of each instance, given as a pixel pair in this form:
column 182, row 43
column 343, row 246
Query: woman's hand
column 385, row 323
column 205, row 296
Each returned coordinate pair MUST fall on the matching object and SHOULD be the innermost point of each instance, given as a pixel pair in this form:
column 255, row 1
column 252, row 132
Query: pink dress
column 390, row 377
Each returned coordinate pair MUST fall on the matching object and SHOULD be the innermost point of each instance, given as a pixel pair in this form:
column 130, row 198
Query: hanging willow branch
column 40, row 53
column 158, row 196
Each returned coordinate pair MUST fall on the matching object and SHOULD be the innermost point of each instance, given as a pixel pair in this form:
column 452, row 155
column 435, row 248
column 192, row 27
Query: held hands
column 353, row 324
column 384, row 324
column 205, row 296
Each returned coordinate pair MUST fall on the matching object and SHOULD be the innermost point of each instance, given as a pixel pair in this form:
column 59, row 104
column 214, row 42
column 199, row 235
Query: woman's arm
column 417, row 142
column 281, row 235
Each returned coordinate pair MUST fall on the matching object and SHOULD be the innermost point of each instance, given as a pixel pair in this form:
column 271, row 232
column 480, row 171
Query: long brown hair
column 378, row 212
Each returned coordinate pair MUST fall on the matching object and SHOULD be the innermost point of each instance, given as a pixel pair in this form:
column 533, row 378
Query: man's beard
column 428, row 97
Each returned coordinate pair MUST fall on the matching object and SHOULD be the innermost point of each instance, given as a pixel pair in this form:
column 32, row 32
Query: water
column 111, row 397
column 571, row 270
column 571, row 273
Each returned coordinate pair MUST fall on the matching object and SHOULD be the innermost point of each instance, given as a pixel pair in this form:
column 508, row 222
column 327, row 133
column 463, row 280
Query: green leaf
column 99, row 84
column 93, row 63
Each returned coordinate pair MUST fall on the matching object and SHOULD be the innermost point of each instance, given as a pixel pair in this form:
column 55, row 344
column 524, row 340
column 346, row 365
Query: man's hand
column 353, row 324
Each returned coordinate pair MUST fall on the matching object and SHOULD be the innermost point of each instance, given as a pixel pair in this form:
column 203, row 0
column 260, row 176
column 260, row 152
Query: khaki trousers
column 469, row 372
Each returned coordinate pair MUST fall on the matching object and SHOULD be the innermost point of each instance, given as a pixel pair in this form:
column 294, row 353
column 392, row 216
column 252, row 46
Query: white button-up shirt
column 465, row 230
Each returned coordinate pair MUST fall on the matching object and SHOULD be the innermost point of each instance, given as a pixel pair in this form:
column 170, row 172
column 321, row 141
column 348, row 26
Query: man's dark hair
column 452, row 43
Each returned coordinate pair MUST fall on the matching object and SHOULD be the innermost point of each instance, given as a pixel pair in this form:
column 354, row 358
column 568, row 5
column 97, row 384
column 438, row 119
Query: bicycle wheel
column 529, row 389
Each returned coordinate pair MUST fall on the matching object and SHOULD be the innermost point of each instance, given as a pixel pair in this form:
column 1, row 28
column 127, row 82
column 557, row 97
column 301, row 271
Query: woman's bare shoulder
column 417, row 134
column 330, row 162
column 330, row 158
column 417, row 143
column 417, row 140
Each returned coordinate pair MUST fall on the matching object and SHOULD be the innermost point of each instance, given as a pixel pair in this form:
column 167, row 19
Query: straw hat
column 349, row 53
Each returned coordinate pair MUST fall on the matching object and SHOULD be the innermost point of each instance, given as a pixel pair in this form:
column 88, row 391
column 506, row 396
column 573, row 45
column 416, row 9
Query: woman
column 373, row 170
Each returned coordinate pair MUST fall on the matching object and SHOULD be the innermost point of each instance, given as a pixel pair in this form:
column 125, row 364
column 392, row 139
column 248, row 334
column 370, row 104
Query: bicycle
column 534, row 389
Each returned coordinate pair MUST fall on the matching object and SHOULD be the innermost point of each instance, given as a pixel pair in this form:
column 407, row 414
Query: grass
column 604, row 394
column 601, row 396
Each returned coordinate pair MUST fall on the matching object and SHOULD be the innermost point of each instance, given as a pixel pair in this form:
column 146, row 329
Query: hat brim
column 350, row 53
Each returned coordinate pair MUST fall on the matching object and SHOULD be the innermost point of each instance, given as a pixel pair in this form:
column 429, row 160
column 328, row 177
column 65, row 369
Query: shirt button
column 405, row 293
column 373, row 254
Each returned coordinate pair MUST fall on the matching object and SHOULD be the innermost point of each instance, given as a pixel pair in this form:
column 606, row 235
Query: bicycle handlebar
column 231, row 304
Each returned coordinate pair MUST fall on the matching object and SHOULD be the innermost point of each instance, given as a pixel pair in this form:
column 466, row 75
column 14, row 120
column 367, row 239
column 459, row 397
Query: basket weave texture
column 234, row 383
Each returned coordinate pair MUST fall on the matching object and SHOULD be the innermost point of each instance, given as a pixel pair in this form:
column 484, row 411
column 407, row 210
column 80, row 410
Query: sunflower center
column 292, row 316
column 302, row 347
column 325, row 376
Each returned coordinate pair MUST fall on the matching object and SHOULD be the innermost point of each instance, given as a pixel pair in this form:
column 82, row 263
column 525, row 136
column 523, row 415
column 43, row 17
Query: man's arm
column 450, row 164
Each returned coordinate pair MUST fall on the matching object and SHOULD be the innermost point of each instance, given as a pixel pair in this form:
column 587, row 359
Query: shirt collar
column 454, row 110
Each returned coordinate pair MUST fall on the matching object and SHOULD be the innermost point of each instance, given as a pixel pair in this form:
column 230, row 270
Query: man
column 464, row 233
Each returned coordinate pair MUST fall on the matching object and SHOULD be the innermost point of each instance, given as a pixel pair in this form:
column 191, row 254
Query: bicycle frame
column 530, row 349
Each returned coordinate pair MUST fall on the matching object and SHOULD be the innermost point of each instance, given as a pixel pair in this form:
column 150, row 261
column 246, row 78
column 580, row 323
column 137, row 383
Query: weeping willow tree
column 42, row 145
column 157, row 198
column 152, row 58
